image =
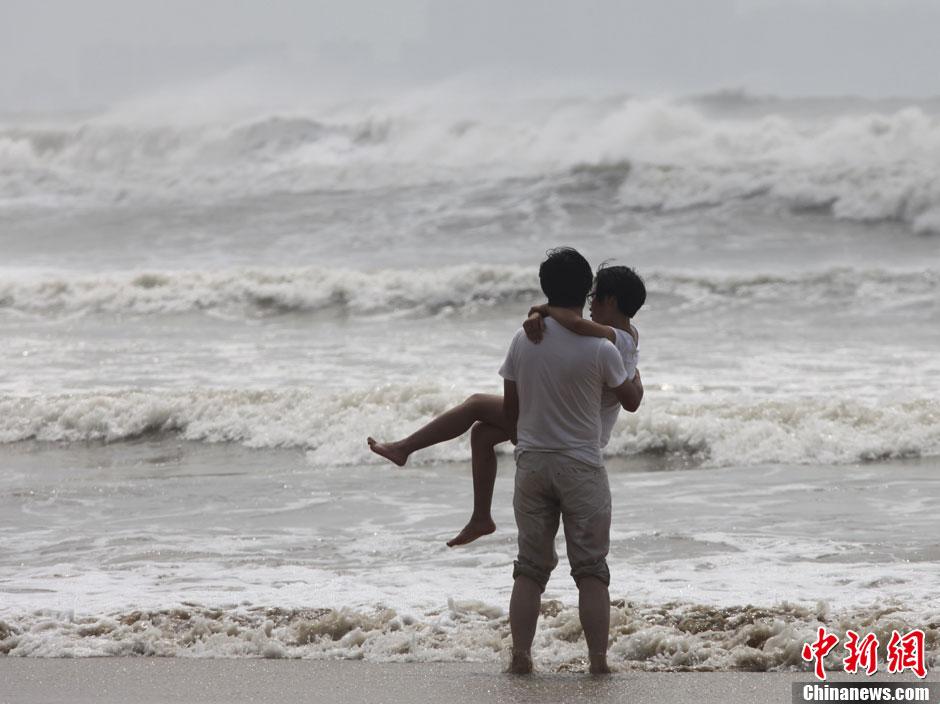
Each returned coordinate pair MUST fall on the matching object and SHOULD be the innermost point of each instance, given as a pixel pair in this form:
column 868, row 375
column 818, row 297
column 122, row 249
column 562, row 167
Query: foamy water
column 192, row 550
column 201, row 318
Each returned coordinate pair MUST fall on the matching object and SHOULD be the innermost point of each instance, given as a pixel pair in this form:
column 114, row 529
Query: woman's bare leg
column 483, row 441
column 451, row 423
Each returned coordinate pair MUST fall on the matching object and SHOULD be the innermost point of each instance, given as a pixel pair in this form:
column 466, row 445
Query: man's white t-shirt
column 610, row 406
column 560, row 383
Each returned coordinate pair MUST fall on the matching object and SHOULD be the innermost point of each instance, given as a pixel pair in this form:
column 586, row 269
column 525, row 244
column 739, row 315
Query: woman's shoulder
column 626, row 339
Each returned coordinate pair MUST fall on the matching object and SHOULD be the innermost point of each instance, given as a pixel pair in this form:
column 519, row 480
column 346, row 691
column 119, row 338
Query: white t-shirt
column 610, row 406
column 561, row 381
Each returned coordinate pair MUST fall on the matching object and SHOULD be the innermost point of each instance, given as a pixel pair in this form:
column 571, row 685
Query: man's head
column 617, row 288
column 566, row 278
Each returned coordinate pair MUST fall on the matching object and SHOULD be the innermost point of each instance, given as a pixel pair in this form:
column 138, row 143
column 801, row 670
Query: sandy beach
column 146, row 680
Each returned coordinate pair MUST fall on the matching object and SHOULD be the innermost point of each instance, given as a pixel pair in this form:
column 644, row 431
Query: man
column 553, row 392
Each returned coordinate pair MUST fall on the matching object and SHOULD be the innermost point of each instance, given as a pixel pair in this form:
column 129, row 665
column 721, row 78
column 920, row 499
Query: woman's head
column 623, row 285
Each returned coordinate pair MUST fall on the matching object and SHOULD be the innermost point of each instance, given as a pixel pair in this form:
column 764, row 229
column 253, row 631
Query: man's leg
column 451, row 423
column 594, row 610
column 523, row 616
column 585, row 507
column 537, row 514
column 483, row 441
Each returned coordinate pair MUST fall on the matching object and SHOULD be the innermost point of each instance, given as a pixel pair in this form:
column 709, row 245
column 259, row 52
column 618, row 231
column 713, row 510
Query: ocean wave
column 802, row 431
column 257, row 291
column 664, row 637
column 862, row 165
column 270, row 291
column 332, row 428
column 848, row 289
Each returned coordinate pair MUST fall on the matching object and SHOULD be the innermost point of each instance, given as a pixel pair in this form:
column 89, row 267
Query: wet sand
column 151, row 680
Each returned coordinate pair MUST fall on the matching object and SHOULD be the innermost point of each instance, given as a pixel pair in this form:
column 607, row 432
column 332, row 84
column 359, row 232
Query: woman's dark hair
column 624, row 284
column 565, row 277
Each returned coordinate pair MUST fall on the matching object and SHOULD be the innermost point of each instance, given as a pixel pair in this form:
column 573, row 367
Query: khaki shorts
column 550, row 486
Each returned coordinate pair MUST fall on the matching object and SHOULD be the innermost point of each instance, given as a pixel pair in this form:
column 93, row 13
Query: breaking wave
column 332, row 427
column 260, row 291
column 270, row 291
column 667, row 637
column 868, row 163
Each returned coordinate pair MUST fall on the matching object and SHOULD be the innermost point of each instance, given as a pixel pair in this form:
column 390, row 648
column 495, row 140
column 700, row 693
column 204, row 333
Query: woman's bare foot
column 520, row 664
column 389, row 450
column 475, row 528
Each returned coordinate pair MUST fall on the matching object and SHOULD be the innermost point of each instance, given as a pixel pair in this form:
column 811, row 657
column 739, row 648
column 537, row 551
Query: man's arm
column 511, row 406
column 630, row 393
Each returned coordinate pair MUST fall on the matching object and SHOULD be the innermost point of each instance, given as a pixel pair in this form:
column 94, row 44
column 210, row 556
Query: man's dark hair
column 624, row 284
column 566, row 278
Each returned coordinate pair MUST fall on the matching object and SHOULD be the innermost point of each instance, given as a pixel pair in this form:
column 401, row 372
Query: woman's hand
column 534, row 327
column 541, row 309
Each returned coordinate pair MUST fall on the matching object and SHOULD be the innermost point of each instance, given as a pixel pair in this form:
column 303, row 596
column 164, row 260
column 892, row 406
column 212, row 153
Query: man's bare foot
column 599, row 665
column 473, row 530
column 520, row 664
column 389, row 450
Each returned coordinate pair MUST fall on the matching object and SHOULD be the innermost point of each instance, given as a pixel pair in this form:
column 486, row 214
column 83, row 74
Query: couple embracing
column 564, row 380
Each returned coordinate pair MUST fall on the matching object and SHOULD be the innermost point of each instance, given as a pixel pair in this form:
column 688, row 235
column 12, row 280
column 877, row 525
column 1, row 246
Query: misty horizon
column 106, row 52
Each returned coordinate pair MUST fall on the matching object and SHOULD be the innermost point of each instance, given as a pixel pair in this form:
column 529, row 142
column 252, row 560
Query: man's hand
column 534, row 326
column 630, row 393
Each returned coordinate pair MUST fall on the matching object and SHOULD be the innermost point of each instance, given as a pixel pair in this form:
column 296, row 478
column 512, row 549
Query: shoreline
column 151, row 680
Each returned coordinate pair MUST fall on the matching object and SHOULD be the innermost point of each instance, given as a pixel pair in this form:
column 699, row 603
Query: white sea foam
column 332, row 427
column 666, row 637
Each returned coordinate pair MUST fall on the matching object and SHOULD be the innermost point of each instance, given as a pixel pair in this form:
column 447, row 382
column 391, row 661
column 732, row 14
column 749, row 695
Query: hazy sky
column 68, row 53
